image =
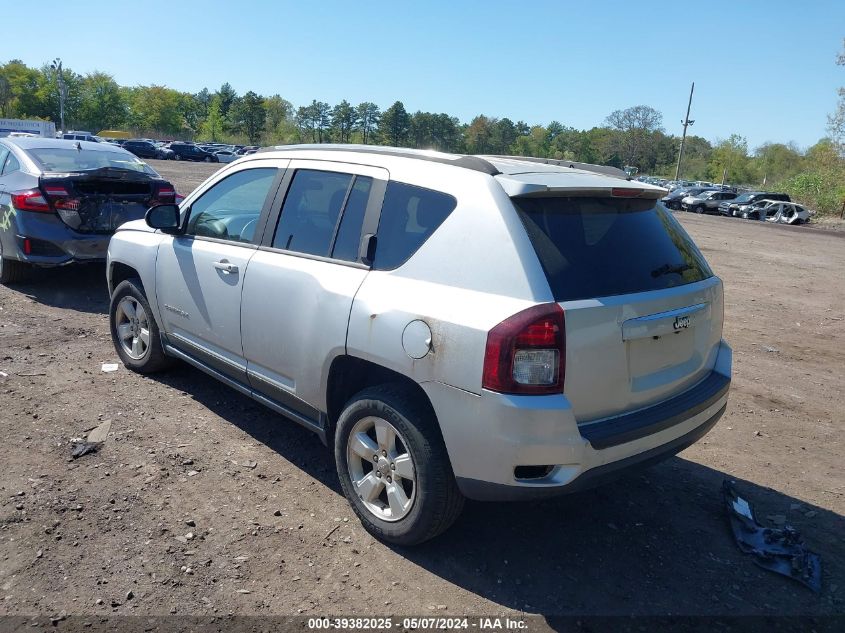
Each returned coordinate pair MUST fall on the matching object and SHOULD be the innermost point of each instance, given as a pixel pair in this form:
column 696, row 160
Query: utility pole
column 60, row 80
column 686, row 122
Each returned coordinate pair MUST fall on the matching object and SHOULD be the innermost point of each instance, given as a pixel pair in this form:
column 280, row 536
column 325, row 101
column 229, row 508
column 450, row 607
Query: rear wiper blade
column 668, row 269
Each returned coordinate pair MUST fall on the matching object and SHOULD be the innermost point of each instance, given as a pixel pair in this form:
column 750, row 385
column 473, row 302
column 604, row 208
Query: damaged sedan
column 60, row 201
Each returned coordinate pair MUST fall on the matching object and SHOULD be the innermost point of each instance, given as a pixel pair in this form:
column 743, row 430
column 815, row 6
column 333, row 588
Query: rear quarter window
column 600, row 247
column 409, row 216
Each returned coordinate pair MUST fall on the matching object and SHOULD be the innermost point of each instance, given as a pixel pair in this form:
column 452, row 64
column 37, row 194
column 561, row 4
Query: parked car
column 189, row 151
column 576, row 335
column 60, row 201
column 707, row 201
column 80, row 136
column 736, row 206
column 142, row 149
column 673, row 200
column 788, row 213
column 776, row 211
column 163, row 151
column 226, row 156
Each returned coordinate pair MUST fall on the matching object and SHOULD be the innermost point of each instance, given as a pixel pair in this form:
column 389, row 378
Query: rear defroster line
column 779, row 550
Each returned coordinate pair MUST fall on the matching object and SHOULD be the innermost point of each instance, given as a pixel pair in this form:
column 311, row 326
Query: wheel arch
column 349, row 375
column 119, row 272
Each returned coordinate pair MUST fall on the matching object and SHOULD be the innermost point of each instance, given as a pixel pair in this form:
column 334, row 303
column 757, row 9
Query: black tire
column 699, row 209
column 437, row 502
column 11, row 270
column 208, row 159
column 176, row 157
column 154, row 358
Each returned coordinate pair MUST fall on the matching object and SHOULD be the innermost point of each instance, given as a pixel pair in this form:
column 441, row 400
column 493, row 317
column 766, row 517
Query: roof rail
column 475, row 163
column 599, row 169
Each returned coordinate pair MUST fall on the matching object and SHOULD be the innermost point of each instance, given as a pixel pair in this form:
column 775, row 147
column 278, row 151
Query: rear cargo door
column 643, row 310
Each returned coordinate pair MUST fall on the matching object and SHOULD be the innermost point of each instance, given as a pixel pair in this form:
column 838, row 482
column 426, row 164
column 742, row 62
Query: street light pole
column 60, row 80
column 686, row 122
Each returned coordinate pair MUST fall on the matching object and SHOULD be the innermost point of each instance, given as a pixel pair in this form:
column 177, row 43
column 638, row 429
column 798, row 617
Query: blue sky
column 763, row 69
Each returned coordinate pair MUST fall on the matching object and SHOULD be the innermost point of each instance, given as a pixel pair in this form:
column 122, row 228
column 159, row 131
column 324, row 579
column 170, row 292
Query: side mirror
column 165, row 217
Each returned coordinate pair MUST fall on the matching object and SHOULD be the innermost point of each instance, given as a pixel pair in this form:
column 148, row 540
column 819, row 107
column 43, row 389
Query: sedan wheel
column 381, row 468
column 208, row 159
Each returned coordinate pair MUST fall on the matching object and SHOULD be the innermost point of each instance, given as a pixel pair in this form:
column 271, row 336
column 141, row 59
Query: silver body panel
column 276, row 326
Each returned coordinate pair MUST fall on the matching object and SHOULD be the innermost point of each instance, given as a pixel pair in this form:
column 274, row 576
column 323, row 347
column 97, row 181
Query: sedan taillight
column 30, row 200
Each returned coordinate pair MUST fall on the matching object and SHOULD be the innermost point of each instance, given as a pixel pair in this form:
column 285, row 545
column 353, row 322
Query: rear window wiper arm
column 667, row 269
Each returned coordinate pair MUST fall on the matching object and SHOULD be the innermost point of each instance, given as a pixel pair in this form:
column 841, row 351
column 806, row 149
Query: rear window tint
column 599, row 247
column 409, row 216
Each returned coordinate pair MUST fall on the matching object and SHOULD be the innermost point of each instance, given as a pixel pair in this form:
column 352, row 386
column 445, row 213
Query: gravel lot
column 202, row 502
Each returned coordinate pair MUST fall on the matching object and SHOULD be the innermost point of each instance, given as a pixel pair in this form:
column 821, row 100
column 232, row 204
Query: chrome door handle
column 226, row 267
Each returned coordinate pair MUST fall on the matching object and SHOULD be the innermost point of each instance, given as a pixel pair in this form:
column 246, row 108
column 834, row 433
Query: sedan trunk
column 99, row 201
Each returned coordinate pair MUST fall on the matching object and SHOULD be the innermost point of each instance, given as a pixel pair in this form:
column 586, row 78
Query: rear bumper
column 52, row 242
column 490, row 435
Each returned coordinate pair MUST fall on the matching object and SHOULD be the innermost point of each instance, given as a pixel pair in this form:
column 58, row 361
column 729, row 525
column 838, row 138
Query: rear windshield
column 599, row 247
column 72, row 159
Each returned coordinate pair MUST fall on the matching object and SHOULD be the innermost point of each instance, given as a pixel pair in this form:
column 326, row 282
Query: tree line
column 632, row 137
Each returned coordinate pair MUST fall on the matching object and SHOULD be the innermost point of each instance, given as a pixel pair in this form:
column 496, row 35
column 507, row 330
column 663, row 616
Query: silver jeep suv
column 496, row 328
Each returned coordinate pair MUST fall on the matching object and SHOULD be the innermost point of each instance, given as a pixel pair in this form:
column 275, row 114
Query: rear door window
column 409, row 216
column 600, row 247
column 311, row 211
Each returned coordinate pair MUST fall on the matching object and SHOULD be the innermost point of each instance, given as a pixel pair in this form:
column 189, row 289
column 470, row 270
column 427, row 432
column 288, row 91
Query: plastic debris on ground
column 109, row 367
column 92, row 443
column 779, row 550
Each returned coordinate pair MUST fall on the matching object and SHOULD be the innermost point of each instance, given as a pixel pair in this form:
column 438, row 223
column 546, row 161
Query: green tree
column 156, row 110
column 503, row 136
column 394, row 125
column 730, row 159
column 102, row 105
column 280, row 126
column 634, row 127
column 777, row 161
column 367, row 116
column 343, row 119
column 212, row 128
column 228, row 96
column 248, row 115
column 479, row 135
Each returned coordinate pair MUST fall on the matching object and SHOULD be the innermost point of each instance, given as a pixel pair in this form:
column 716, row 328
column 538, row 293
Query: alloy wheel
column 133, row 327
column 381, row 468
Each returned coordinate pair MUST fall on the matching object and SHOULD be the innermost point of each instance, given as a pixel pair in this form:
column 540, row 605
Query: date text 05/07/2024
column 418, row 623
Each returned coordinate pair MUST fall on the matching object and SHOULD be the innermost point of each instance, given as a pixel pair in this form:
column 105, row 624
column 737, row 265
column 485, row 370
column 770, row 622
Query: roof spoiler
column 598, row 169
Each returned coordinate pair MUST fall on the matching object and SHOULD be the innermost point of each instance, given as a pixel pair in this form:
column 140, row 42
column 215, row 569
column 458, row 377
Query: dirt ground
column 202, row 502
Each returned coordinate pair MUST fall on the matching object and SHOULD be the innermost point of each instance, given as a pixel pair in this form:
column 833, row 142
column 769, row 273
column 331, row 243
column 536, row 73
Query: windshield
column 598, row 247
column 746, row 197
column 71, row 159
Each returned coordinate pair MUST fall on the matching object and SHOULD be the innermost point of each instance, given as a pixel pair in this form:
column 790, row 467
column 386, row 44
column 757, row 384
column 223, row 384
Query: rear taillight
column 60, row 198
column 30, row 200
column 165, row 194
column 526, row 353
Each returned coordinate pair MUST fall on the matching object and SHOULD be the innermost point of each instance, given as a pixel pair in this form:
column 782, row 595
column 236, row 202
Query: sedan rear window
column 70, row 159
column 599, row 247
